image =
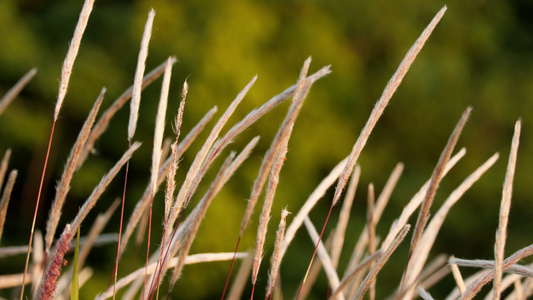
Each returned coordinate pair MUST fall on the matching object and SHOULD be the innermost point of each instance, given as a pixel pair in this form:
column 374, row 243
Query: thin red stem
column 253, row 289
column 115, row 271
column 314, row 253
column 36, row 208
column 231, row 266
column 148, row 244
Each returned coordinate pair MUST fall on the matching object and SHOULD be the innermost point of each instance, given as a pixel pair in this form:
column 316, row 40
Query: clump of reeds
column 181, row 222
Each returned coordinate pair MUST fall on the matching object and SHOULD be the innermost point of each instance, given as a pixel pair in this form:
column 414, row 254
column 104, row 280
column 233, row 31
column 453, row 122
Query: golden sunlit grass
column 181, row 223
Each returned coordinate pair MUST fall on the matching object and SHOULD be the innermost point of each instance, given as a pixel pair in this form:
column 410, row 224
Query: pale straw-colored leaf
column 333, row 277
column 275, row 260
column 199, row 166
column 371, row 233
column 487, row 276
column 241, row 279
column 15, row 90
column 191, row 259
column 425, row 277
column 37, row 267
column 311, row 201
column 72, row 52
column 99, row 189
column 423, row 293
column 171, row 176
column 415, row 202
column 364, row 264
column 139, row 73
column 344, row 217
column 142, row 204
column 12, row 250
column 383, row 101
column 380, row 263
column 101, row 125
column 273, row 162
column 435, row 277
column 70, row 167
column 458, row 277
column 436, row 177
column 505, row 207
column 430, row 234
column 160, row 124
column 489, row 264
column 196, row 216
column 4, row 200
column 3, row 166
column 381, row 203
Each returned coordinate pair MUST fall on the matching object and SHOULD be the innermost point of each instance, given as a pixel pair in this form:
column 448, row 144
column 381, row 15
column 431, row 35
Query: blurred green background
column 480, row 55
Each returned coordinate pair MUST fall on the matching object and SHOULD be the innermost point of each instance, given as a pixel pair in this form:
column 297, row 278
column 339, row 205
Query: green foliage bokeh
column 479, row 55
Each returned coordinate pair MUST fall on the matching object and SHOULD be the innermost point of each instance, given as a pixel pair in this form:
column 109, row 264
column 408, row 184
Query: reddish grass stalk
column 314, row 253
column 36, row 208
column 66, row 71
column 115, row 269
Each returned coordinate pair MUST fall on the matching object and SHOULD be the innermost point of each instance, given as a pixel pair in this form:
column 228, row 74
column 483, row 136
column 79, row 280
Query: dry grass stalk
column 487, row 276
column 273, row 161
column 37, row 261
column 254, row 116
column 344, row 217
column 311, row 201
column 324, row 257
column 381, row 203
column 429, row 236
column 13, row 250
column 70, row 167
column 315, row 271
column 95, row 232
column 13, row 280
column 267, row 207
column 99, row 189
column 275, row 260
column 501, row 233
column 371, row 233
column 201, row 208
column 156, row 152
column 142, row 204
column 15, row 90
column 3, row 166
column 48, row 283
column 171, row 176
column 389, row 90
column 348, row 278
column 102, row 123
column 4, row 200
column 425, row 279
column 72, row 52
column 193, row 221
column 415, row 202
column 518, row 289
column 423, row 293
column 139, row 73
column 380, row 263
column 66, row 71
column 257, row 113
column 489, row 264
column 83, row 276
column 436, row 277
column 239, row 283
column 436, row 177
column 191, row 259
column 458, row 277
column 199, row 166
column 160, row 124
